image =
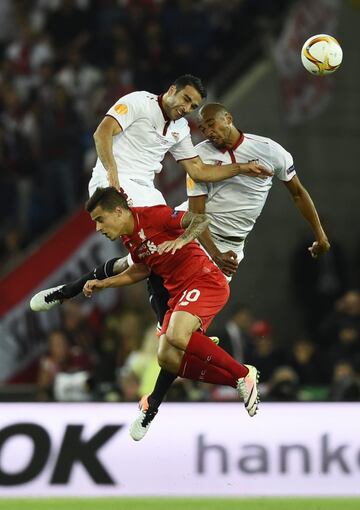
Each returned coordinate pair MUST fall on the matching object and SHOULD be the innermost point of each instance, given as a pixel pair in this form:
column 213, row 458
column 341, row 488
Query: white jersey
column 233, row 205
column 147, row 135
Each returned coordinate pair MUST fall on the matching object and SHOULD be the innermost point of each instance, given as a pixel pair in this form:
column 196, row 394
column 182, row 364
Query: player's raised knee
column 163, row 358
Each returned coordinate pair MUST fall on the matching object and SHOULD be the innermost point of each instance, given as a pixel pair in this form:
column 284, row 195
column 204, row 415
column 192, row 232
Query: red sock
column 203, row 348
column 197, row 370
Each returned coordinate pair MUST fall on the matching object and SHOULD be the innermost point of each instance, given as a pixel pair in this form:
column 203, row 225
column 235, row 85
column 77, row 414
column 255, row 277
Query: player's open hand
column 227, row 262
column 254, row 169
column 319, row 247
column 92, row 286
column 171, row 246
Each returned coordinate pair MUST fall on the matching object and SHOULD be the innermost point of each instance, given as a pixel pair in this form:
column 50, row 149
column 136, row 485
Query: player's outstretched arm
column 133, row 274
column 194, row 225
column 103, row 138
column 201, row 172
column 307, row 208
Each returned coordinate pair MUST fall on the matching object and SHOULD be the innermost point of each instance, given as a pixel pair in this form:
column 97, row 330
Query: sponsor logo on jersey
column 147, row 249
column 175, row 136
column 121, row 109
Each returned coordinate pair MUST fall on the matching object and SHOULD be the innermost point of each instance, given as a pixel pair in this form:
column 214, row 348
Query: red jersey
column 153, row 226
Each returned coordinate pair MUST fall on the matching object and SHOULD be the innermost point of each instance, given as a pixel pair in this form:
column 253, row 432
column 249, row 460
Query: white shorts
column 141, row 193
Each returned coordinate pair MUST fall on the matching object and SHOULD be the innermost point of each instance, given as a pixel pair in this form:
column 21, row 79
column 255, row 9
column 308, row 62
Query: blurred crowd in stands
column 62, row 65
column 112, row 357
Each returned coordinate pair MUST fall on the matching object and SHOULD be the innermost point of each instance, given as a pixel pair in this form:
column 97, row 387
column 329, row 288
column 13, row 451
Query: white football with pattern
column 321, row 54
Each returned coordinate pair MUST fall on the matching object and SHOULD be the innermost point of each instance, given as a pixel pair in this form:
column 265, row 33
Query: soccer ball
column 321, row 54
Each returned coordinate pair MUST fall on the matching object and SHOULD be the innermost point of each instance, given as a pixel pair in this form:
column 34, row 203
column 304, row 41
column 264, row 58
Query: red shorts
column 204, row 298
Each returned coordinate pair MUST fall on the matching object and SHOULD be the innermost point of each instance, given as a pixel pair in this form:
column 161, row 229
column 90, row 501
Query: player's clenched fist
column 319, row 247
column 92, row 286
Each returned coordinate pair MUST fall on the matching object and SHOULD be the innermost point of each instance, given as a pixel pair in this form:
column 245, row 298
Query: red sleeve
column 169, row 218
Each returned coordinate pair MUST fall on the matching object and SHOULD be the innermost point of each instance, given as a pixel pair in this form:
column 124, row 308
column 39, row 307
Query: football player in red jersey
column 162, row 240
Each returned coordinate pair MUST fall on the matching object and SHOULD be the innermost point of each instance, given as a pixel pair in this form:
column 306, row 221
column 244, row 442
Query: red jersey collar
column 238, row 142
column 160, row 101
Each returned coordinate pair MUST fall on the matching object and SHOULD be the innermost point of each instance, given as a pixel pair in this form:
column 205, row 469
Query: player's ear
column 172, row 90
column 229, row 118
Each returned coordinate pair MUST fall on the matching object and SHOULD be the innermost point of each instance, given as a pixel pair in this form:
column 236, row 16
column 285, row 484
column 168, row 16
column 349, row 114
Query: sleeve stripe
column 186, row 159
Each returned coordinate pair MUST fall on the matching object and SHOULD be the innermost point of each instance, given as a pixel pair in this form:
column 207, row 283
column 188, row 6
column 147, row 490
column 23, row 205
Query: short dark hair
column 108, row 198
column 188, row 79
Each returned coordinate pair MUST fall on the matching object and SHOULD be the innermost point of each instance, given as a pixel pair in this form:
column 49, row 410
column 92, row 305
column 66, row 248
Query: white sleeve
column 195, row 189
column 183, row 149
column 127, row 109
column 283, row 162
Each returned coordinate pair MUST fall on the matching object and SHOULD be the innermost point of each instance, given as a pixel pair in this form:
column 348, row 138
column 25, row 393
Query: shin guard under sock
column 203, row 348
column 197, row 370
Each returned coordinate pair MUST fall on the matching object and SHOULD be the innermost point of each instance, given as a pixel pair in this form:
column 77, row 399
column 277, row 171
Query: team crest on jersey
column 175, row 136
column 121, row 109
column 142, row 235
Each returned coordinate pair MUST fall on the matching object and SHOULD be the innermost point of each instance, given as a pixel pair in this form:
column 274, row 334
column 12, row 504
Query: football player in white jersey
column 235, row 204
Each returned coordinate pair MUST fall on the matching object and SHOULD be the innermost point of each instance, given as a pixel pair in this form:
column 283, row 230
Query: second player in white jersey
column 233, row 205
column 236, row 203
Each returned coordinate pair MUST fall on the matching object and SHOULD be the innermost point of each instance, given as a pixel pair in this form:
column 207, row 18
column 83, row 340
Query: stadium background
column 62, row 64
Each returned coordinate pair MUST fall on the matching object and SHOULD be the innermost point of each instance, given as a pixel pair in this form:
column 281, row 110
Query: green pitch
column 181, row 504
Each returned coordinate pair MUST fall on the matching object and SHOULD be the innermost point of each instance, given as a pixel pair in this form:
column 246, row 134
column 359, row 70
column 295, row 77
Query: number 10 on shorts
column 189, row 297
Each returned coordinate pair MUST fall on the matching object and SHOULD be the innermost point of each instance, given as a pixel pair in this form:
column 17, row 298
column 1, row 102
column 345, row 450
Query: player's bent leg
column 244, row 376
column 248, row 390
column 169, row 358
column 158, row 296
column 46, row 299
column 49, row 298
column 180, row 328
column 141, row 425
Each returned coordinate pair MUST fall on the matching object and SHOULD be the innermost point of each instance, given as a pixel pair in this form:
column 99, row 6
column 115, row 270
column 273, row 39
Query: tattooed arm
column 195, row 224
